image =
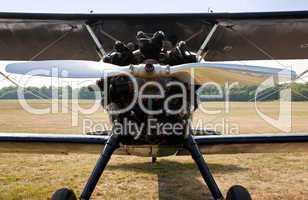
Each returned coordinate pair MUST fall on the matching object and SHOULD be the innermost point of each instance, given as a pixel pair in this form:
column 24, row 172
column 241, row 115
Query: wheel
column 238, row 192
column 64, row 194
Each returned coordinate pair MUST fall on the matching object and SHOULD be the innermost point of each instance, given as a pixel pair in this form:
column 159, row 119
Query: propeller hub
column 149, row 68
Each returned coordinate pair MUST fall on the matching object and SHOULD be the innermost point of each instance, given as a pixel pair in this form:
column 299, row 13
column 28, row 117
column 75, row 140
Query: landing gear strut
column 64, row 194
column 191, row 145
column 111, row 146
column 235, row 192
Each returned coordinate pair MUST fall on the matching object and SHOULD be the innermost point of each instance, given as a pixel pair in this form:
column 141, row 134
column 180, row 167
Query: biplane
column 130, row 52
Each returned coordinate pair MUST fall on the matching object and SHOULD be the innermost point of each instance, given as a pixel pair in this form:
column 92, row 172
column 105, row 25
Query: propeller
column 221, row 73
column 66, row 68
column 199, row 73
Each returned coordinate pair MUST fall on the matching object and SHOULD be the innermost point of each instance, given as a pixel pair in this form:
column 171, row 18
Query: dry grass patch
column 36, row 177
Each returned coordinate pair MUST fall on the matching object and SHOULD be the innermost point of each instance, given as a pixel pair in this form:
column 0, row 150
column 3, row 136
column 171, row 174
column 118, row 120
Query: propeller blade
column 66, row 69
column 222, row 73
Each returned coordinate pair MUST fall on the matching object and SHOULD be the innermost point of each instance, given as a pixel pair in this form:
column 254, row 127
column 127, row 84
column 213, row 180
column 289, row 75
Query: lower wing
column 208, row 144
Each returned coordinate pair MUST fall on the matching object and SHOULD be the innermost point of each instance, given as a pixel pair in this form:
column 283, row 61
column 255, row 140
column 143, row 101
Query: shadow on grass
column 178, row 180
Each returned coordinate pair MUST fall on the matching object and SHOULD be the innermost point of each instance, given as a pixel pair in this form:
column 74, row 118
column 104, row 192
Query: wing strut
column 98, row 44
column 206, row 41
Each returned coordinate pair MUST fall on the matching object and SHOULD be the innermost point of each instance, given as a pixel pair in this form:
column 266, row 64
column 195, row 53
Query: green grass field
column 267, row 176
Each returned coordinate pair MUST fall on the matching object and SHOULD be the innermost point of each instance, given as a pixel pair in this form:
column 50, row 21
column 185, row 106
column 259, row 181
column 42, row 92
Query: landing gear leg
column 67, row 194
column 191, row 145
column 110, row 147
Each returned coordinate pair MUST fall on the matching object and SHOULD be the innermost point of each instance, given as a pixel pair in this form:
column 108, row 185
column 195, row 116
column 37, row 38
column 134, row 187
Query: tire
column 238, row 192
column 64, row 194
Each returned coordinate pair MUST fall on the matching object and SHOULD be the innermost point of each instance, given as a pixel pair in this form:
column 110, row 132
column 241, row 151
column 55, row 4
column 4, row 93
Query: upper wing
column 260, row 36
column 240, row 36
column 26, row 36
column 29, row 39
column 208, row 144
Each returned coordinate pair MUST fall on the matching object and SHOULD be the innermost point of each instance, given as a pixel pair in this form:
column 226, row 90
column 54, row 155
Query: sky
column 144, row 6
column 157, row 6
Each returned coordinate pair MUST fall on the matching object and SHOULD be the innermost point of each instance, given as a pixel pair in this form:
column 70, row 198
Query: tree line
column 237, row 93
column 299, row 92
column 44, row 92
